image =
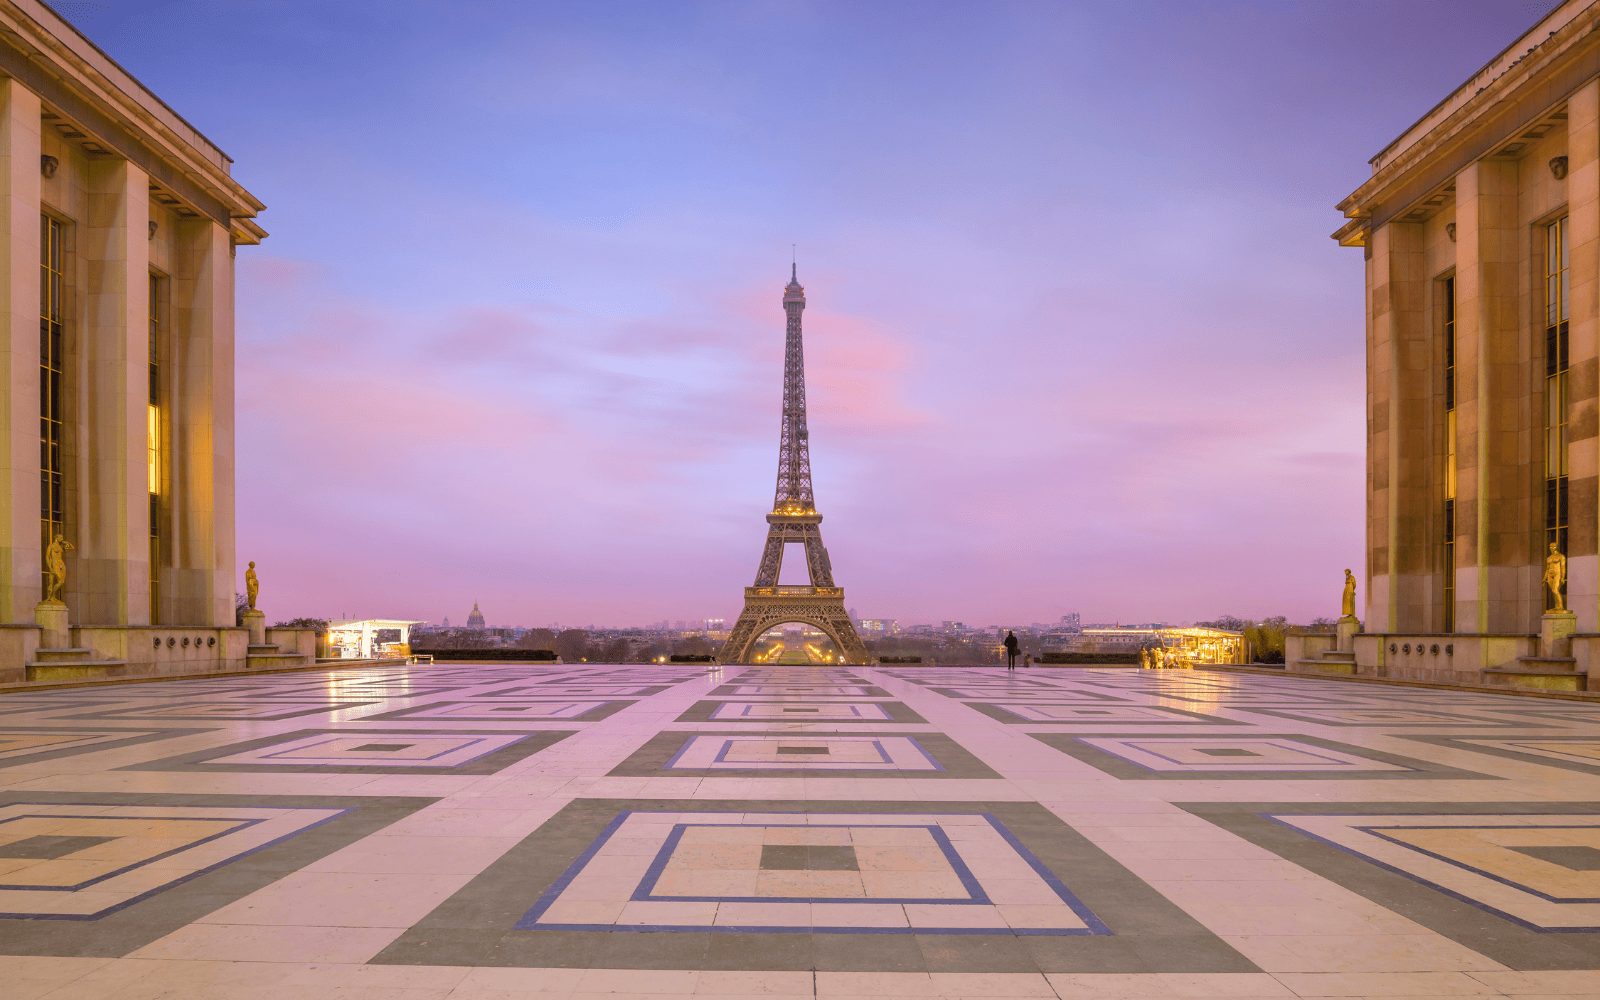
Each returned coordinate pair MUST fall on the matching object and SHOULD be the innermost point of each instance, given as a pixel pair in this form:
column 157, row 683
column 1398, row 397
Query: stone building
column 120, row 221
column 1480, row 227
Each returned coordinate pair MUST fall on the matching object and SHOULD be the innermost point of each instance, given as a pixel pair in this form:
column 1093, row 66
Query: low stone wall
column 1436, row 658
column 1305, row 646
column 17, row 643
column 149, row 650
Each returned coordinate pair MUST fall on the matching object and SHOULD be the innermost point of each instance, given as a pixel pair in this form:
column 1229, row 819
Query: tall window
column 153, row 448
column 1555, row 392
column 50, row 365
column 1447, row 568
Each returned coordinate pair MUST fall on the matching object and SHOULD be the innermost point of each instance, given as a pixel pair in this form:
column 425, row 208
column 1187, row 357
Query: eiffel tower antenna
column 794, row 518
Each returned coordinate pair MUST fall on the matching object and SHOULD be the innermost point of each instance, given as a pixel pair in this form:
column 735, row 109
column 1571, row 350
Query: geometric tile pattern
column 1019, row 712
column 477, row 711
column 860, row 873
column 81, row 862
column 380, row 750
column 1243, row 757
column 821, row 753
column 366, row 751
column 589, row 828
column 1542, row 872
column 736, row 711
column 271, row 711
column 22, row 745
column 1396, row 717
column 1233, row 754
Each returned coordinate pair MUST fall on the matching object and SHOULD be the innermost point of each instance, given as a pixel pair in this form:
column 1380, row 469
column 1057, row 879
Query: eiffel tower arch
column 794, row 519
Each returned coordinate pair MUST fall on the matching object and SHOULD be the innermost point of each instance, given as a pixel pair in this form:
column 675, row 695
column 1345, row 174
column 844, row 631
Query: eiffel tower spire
column 794, row 448
column 794, row 519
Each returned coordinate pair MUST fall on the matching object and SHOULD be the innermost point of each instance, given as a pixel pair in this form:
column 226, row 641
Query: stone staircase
column 1329, row 661
column 272, row 655
column 1554, row 669
column 68, row 664
column 1548, row 673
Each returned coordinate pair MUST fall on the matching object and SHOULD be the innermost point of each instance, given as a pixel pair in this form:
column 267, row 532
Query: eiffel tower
column 794, row 518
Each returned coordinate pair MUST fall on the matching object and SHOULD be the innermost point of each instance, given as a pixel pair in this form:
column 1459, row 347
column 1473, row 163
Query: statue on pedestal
column 1347, row 606
column 252, row 586
column 1555, row 574
column 55, row 563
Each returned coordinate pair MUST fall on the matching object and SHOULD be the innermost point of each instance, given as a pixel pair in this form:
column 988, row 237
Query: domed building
column 475, row 620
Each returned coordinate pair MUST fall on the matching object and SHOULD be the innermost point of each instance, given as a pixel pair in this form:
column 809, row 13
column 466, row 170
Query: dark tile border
column 290, row 712
column 1502, row 940
column 701, row 711
column 1127, row 770
column 131, row 928
column 1463, row 721
column 532, row 692
column 353, row 691
column 11, row 705
column 608, row 708
column 1457, row 741
column 1055, row 696
column 1244, row 697
column 1180, row 716
column 534, row 741
column 144, row 734
column 649, row 760
column 475, row 926
column 727, row 692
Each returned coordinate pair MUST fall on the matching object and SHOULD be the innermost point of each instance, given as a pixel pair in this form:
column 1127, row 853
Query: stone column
column 203, row 423
column 1492, row 483
column 20, row 556
column 1399, row 365
column 113, row 582
column 1583, row 447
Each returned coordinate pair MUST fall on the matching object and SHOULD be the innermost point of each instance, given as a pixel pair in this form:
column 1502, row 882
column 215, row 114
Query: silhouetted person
column 1011, row 650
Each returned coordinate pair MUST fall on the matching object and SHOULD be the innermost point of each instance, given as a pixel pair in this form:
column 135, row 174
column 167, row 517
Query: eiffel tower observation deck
column 794, row 520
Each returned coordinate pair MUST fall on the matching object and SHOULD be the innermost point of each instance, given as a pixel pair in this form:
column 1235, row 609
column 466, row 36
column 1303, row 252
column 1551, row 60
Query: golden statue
column 1348, row 606
column 1144, row 659
column 252, row 586
column 55, row 563
column 1555, row 574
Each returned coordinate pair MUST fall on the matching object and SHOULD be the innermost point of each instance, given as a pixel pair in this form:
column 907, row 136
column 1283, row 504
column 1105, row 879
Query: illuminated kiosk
column 354, row 638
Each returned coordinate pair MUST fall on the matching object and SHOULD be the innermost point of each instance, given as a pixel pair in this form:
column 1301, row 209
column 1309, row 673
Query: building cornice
column 1517, row 89
column 83, row 84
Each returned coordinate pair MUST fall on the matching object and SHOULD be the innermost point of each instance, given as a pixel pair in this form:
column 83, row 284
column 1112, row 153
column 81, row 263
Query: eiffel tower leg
column 771, row 559
column 744, row 635
column 850, row 645
column 817, row 561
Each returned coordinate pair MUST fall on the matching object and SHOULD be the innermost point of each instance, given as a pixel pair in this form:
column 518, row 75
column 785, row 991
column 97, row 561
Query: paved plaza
column 477, row 831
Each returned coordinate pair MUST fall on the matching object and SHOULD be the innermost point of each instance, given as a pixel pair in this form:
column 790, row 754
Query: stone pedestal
column 1346, row 629
column 256, row 622
column 51, row 617
column 1555, row 634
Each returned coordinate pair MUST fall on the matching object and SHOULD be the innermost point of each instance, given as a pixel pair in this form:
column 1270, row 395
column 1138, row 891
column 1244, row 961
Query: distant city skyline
column 1076, row 337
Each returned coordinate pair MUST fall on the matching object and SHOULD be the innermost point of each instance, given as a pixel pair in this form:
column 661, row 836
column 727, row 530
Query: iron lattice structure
column 794, row 518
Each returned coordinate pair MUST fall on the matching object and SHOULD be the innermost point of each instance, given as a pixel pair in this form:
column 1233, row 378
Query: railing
column 795, row 591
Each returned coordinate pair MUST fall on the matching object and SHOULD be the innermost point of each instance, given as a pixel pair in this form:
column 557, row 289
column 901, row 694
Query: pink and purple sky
column 1076, row 337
